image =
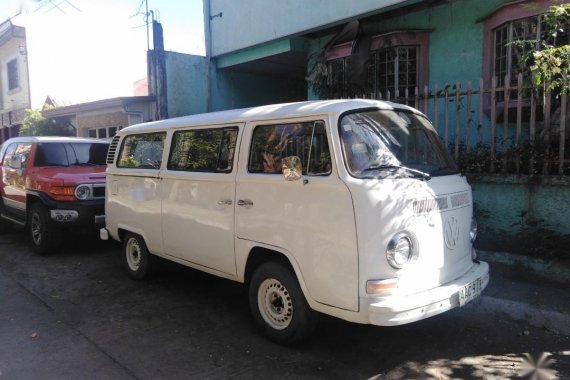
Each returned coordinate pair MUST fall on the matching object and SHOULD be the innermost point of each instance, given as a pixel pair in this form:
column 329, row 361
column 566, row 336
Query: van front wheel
column 279, row 306
column 135, row 256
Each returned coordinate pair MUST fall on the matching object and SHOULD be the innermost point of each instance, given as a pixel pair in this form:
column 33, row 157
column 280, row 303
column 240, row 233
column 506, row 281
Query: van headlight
column 83, row 192
column 400, row 250
column 473, row 231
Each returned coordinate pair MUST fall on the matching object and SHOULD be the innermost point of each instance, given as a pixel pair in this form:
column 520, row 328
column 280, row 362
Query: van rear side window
column 307, row 140
column 203, row 150
column 142, row 151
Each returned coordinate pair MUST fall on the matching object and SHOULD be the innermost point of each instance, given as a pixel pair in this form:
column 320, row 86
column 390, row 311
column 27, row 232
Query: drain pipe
column 208, row 45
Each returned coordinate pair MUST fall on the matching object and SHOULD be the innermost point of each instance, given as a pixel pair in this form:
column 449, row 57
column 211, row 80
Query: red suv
column 52, row 183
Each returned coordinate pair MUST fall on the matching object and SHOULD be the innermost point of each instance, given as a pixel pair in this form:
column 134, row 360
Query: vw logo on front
column 451, row 232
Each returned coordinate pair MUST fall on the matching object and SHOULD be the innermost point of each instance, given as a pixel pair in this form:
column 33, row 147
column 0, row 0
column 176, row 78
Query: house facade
column 14, row 79
column 458, row 61
column 103, row 118
column 371, row 47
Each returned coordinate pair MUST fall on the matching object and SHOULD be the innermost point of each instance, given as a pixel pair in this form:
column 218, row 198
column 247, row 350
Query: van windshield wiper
column 417, row 173
column 443, row 169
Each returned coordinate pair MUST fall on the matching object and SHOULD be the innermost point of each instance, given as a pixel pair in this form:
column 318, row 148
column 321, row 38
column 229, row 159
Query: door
column 199, row 197
column 15, row 166
column 311, row 219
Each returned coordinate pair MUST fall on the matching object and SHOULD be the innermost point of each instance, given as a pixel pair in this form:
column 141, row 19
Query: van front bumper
column 399, row 310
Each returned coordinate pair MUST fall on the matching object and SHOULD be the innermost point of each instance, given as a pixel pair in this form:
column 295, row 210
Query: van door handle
column 244, row 202
column 226, row 202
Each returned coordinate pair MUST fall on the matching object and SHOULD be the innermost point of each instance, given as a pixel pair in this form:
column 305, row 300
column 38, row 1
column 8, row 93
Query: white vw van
column 351, row 208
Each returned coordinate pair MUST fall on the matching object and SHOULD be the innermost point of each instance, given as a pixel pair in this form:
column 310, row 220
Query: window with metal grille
column 390, row 72
column 513, row 40
column 336, row 80
column 394, row 70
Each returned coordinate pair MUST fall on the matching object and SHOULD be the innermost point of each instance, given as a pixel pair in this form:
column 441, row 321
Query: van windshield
column 393, row 144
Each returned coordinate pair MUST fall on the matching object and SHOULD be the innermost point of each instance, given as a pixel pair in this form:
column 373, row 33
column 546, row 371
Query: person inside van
column 271, row 162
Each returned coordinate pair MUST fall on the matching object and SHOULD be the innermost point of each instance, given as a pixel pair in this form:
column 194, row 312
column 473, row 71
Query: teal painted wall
column 231, row 89
column 186, row 81
column 187, row 87
column 523, row 215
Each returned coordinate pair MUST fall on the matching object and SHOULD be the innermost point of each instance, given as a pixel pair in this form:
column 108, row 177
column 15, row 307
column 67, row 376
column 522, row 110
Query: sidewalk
column 528, row 289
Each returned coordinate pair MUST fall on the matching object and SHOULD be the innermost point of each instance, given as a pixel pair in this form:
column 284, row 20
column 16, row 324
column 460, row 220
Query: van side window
column 307, row 140
column 203, row 150
column 142, row 151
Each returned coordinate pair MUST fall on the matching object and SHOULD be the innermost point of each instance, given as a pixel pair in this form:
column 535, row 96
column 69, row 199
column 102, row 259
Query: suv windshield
column 393, row 144
column 67, row 154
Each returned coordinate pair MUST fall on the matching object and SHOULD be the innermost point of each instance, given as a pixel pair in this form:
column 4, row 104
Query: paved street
column 75, row 315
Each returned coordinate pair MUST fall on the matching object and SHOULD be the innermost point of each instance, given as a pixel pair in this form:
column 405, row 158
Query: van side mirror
column 291, row 168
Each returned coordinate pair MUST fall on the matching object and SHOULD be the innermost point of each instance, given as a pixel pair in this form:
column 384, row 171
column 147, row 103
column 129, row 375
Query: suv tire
column 45, row 234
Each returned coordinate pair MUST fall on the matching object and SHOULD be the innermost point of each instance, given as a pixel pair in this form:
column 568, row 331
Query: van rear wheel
column 278, row 305
column 135, row 256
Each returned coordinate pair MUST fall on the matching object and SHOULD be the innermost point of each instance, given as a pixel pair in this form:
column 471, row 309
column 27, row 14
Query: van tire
column 278, row 305
column 46, row 235
column 135, row 256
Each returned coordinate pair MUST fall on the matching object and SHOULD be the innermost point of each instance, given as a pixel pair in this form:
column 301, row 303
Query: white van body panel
column 198, row 219
column 133, row 202
column 386, row 207
column 292, row 216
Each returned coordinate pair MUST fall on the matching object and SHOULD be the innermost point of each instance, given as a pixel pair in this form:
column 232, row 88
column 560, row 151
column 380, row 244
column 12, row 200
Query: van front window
column 393, row 144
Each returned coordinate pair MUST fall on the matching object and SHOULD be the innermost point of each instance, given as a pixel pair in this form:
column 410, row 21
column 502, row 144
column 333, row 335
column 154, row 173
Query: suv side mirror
column 15, row 161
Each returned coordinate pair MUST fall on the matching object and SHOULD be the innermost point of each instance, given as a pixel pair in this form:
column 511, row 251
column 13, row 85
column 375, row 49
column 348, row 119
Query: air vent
column 112, row 150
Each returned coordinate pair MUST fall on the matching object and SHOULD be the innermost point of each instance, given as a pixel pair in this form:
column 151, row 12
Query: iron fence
column 512, row 129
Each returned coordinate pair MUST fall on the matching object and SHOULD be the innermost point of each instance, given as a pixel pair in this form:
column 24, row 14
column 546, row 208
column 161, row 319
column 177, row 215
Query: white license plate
column 472, row 290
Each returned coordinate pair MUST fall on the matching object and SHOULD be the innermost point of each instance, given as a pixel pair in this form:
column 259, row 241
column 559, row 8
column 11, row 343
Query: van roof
column 33, row 139
column 272, row 111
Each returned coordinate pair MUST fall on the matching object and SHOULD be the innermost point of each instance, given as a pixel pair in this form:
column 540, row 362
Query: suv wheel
column 45, row 234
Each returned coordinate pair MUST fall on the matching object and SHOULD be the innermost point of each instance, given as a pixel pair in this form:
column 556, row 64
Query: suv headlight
column 83, row 192
column 473, row 231
column 400, row 250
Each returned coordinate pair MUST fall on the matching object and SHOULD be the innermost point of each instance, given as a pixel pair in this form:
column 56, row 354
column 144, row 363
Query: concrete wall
column 247, row 23
column 520, row 213
column 186, row 84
